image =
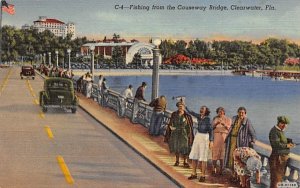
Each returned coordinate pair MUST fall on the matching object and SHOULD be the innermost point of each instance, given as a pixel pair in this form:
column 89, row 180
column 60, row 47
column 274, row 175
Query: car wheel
column 73, row 110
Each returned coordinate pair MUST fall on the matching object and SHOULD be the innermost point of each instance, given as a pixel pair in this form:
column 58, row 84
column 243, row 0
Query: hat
column 253, row 164
column 144, row 83
column 283, row 119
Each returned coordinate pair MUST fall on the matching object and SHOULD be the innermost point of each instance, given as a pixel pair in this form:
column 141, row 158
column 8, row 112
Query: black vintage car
column 27, row 71
column 58, row 93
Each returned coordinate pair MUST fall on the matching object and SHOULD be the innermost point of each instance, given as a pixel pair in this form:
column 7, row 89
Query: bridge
column 92, row 148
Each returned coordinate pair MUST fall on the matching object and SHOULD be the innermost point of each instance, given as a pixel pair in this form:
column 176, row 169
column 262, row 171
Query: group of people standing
column 85, row 84
column 229, row 140
column 60, row 72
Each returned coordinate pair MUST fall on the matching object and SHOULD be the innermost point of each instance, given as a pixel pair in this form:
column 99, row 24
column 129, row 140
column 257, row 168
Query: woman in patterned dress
column 246, row 161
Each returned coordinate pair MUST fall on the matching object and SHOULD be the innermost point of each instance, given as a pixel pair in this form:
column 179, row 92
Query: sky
column 98, row 18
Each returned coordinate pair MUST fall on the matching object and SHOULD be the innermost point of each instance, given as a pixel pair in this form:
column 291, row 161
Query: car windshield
column 59, row 84
column 26, row 68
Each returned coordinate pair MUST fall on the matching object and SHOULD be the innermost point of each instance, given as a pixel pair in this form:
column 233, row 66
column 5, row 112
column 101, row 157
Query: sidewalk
column 151, row 148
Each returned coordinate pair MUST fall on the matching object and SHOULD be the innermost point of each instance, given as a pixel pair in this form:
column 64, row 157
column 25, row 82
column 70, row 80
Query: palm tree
column 116, row 38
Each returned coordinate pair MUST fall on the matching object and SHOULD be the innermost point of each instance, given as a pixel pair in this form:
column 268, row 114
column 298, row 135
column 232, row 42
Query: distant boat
column 281, row 78
column 254, row 73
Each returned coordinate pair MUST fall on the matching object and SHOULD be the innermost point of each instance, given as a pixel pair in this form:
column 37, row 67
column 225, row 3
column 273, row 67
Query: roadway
column 59, row 149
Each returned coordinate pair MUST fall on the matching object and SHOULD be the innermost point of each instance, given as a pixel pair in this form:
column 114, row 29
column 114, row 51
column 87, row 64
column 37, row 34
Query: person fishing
column 281, row 146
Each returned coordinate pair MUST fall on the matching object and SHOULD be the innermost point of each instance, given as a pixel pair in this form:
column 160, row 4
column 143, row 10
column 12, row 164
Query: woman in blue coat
column 241, row 134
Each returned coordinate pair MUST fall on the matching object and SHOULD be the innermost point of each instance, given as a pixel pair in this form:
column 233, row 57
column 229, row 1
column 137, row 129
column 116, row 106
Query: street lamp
column 56, row 52
column 69, row 54
column 92, row 48
column 155, row 75
column 49, row 53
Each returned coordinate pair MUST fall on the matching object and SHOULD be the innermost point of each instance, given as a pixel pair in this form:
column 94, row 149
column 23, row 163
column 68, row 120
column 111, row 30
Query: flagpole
column 1, row 33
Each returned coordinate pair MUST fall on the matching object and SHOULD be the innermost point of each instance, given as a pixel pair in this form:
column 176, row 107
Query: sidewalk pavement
column 153, row 149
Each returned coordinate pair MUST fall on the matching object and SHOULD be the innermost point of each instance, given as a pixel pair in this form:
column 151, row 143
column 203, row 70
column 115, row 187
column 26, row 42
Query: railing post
column 293, row 175
column 135, row 107
column 298, row 177
column 287, row 173
column 264, row 165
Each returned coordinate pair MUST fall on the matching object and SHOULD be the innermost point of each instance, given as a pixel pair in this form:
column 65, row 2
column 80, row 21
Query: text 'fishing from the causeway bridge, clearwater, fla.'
column 181, row 7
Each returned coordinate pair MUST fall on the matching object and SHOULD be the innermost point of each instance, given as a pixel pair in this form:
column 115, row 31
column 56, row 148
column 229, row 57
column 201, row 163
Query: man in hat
column 280, row 150
column 140, row 92
column 139, row 96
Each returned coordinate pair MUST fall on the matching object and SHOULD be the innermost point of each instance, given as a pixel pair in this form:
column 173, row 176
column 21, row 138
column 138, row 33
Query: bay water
column 264, row 99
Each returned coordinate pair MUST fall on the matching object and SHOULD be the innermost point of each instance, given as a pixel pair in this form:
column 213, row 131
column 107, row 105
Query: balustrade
column 143, row 117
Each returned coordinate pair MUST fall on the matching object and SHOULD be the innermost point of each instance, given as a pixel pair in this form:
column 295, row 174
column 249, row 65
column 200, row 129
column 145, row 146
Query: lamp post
column 44, row 58
column 56, row 52
column 155, row 75
column 92, row 48
column 49, row 53
column 69, row 54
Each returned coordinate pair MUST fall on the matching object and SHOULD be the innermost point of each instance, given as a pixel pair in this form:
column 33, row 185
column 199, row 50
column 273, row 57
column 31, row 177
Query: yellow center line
column 42, row 115
column 65, row 169
column 49, row 132
column 4, row 83
column 35, row 101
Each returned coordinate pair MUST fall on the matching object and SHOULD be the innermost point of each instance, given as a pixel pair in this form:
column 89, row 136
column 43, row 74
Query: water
column 264, row 99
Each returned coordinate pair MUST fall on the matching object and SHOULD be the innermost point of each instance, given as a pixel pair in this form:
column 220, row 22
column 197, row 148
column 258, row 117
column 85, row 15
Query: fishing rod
column 178, row 98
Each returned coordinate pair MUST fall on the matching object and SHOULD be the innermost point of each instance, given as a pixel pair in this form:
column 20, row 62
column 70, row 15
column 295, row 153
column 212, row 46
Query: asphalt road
column 60, row 149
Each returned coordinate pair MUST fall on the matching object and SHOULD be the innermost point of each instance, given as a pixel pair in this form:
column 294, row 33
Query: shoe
column 214, row 174
column 192, row 176
column 176, row 163
column 221, row 173
column 202, row 179
column 233, row 180
column 186, row 165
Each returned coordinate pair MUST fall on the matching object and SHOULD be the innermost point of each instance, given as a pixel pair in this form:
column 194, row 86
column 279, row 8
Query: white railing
column 143, row 117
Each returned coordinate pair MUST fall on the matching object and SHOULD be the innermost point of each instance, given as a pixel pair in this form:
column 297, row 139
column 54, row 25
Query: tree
column 180, row 47
column 137, row 60
column 116, row 38
column 117, row 56
column 167, row 49
column 9, row 43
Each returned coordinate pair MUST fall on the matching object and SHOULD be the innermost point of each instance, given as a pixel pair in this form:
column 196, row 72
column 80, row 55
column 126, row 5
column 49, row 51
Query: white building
column 57, row 27
column 129, row 50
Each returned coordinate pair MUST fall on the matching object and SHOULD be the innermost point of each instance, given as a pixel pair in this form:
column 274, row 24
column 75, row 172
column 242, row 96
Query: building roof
column 50, row 20
column 108, row 44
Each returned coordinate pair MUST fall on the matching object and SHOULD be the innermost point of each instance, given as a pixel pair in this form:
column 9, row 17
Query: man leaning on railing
column 139, row 96
column 122, row 100
column 104, row 93
column 159, row 106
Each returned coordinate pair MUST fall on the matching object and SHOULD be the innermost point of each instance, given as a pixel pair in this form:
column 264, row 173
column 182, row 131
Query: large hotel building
column 57, row 27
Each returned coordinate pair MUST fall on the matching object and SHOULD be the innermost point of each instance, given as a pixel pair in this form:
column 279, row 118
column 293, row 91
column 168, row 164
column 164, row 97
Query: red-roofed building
column 57, row 27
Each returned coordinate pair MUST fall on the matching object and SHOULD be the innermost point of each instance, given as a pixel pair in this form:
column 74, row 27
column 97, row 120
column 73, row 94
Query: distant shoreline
column 148, row 72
